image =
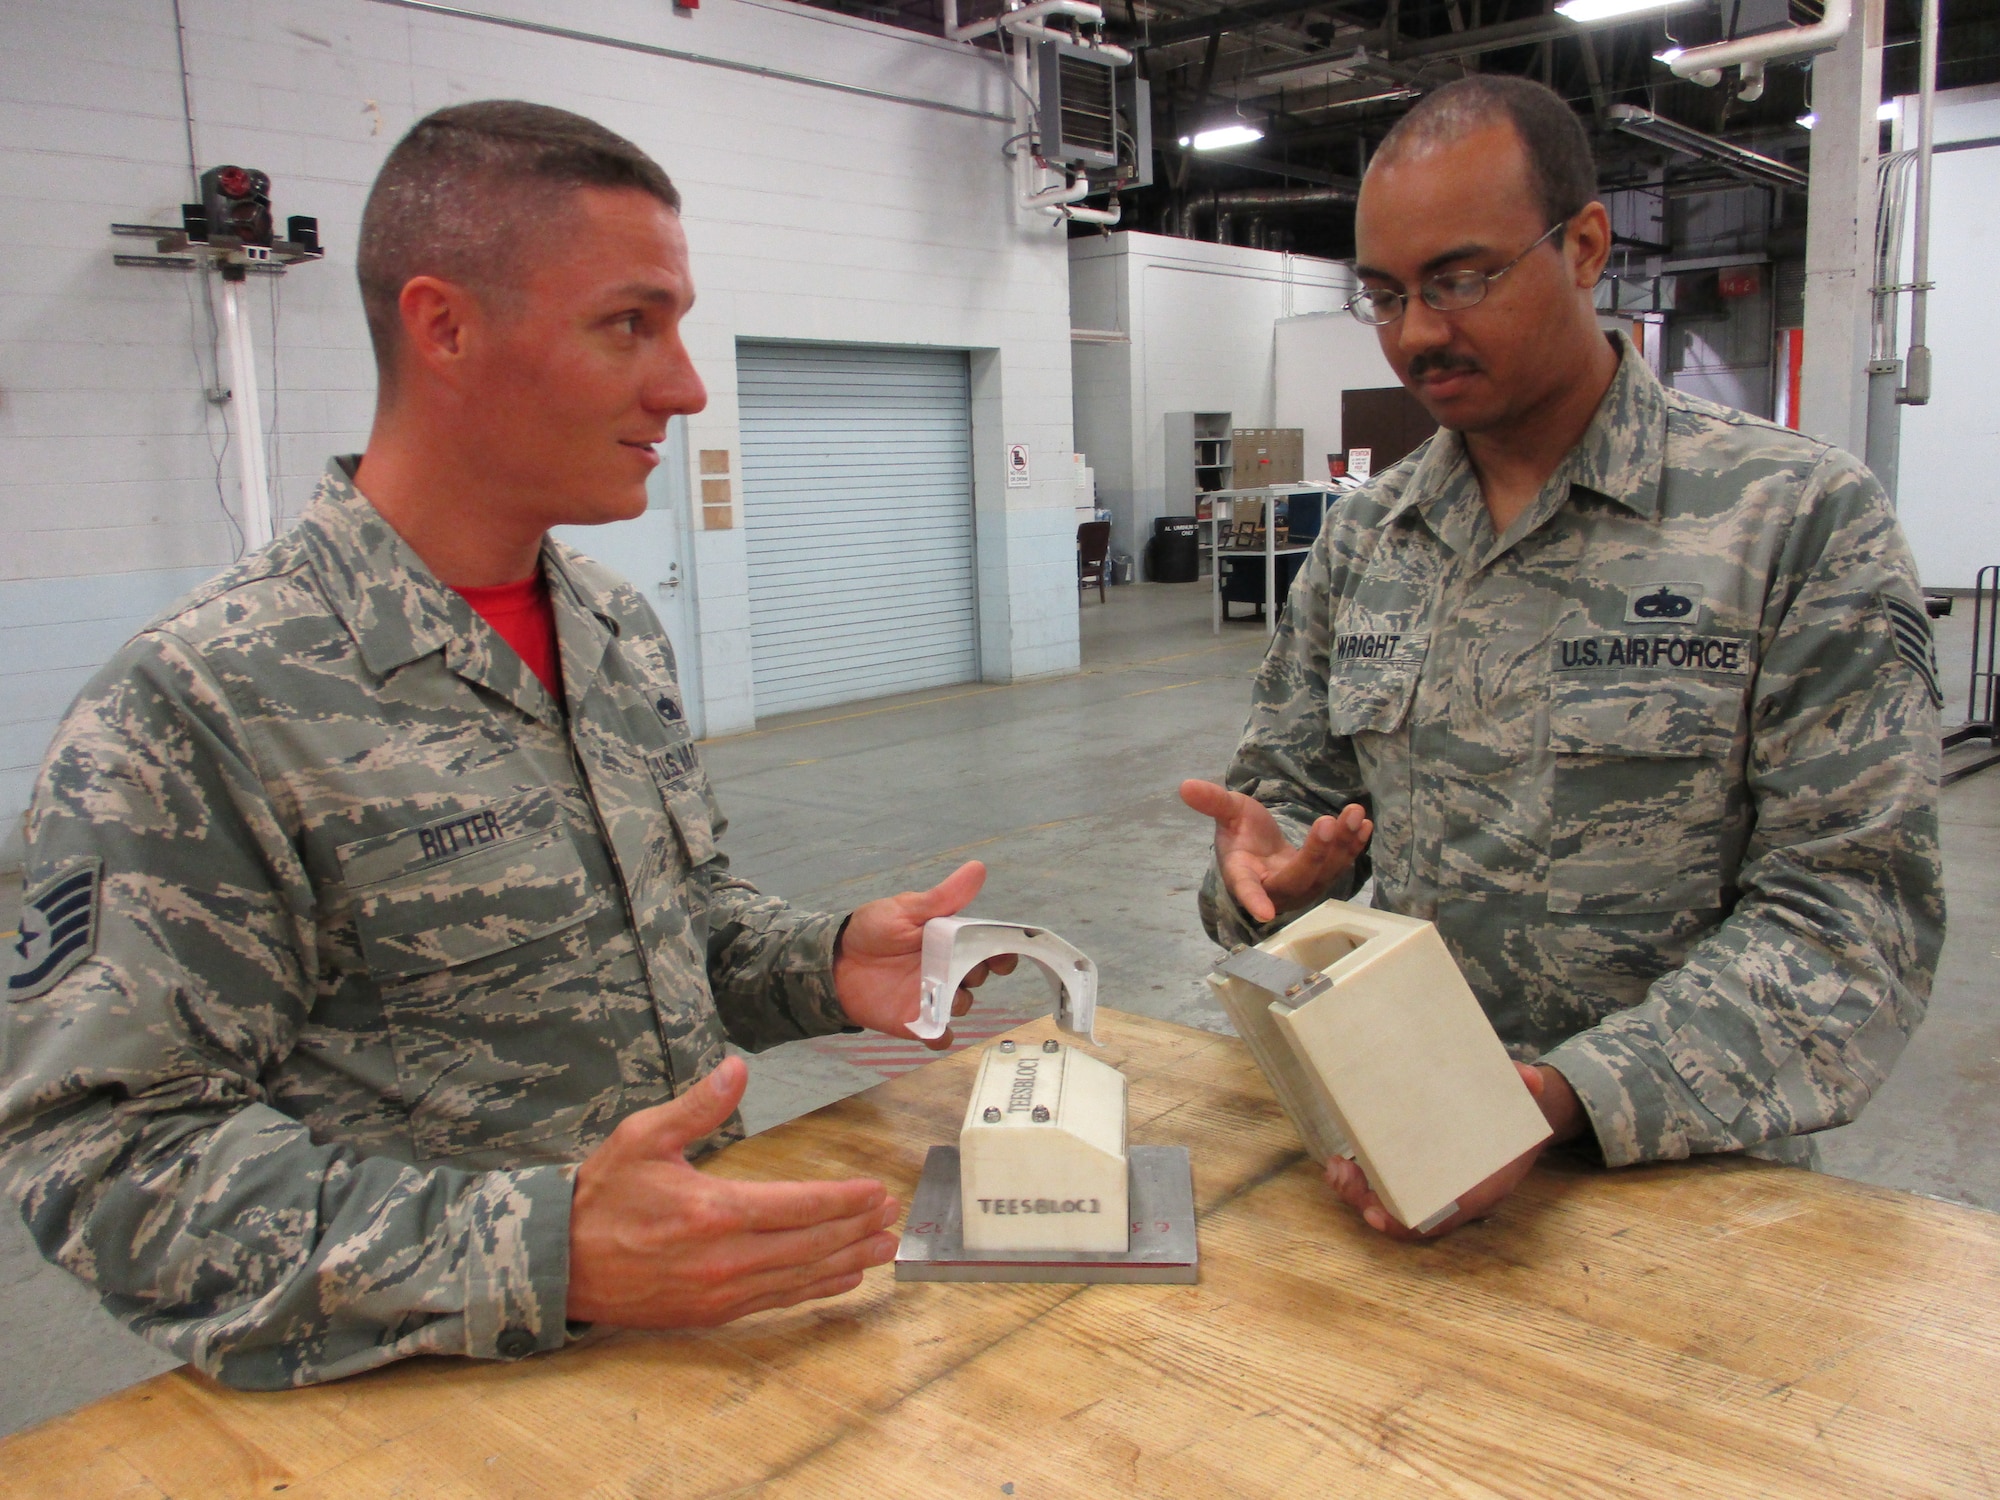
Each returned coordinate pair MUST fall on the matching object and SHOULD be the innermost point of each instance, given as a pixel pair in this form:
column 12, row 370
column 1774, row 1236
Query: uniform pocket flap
column 1644, row 715
column 472, row 905
column 1370, row 702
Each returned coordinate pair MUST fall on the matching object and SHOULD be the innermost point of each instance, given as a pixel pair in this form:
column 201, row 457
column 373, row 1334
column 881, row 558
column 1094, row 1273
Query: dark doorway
column 1388, row 421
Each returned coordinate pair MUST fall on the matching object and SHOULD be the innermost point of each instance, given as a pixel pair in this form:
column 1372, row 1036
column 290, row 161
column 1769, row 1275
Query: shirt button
column 515, row 1343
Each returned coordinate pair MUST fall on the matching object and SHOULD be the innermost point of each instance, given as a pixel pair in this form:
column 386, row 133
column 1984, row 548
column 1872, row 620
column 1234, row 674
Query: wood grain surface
column 1723, row 1328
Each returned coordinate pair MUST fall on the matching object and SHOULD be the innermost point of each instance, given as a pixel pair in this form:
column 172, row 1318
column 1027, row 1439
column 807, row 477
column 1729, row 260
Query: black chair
column 1093, row 544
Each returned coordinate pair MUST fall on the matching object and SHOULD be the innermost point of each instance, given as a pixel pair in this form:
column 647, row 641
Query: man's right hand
column 653, row 1243
column 1262, row 870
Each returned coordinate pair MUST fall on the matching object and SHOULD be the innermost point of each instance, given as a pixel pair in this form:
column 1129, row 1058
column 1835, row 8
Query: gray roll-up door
column 857, row 511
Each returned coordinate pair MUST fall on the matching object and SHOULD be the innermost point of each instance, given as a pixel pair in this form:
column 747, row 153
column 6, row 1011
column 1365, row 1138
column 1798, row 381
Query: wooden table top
column 1724, row 1328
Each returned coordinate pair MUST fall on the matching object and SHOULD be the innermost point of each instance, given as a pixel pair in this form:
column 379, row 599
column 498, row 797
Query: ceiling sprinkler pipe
column 1704, row 65
column 1752, row 88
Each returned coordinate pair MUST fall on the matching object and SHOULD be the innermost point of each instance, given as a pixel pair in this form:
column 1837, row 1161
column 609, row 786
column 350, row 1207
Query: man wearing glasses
column 1632, row 694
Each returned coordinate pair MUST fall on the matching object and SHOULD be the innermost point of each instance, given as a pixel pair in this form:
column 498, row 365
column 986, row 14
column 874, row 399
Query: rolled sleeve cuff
column 518, row 1277
column 1633, row 1109
column 805, row 975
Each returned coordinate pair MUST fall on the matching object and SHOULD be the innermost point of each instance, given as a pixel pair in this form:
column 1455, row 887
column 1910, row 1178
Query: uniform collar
column 1620, row 456
column 398, row 611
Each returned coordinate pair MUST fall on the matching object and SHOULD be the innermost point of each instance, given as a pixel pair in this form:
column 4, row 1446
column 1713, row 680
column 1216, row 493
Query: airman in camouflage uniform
column 1661, row 762
column 385, row 941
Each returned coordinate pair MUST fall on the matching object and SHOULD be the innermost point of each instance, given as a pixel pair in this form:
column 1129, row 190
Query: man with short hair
column 377, row 954
column 1631, row 694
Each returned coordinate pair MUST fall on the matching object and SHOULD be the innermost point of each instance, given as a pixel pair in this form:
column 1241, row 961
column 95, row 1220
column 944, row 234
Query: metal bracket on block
column 1292, row 983
column 955, row 946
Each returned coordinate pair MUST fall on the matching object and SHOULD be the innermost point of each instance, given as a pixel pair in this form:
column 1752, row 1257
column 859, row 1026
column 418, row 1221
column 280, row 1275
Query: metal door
column 651, row 551
column 857, row 508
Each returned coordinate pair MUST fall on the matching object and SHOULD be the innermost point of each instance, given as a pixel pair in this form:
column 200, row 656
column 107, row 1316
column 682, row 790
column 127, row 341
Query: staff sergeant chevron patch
column 1914, row 642
column 58, row 930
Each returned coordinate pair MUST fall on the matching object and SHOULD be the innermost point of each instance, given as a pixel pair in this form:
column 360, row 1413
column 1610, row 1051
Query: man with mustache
column 1631, row 694
column 379, row 955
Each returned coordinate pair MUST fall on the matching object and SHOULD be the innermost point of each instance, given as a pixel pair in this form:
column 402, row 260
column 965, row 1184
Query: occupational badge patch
column 1911, row 630
column 1663, row 603
column 58, row 929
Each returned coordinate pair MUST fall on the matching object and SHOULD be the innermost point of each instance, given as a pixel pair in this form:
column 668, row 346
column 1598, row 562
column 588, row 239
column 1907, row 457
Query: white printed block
column 1042, row 1162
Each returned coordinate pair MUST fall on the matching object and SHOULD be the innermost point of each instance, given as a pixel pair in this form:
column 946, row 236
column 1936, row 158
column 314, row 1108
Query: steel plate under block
column 1163, row 1238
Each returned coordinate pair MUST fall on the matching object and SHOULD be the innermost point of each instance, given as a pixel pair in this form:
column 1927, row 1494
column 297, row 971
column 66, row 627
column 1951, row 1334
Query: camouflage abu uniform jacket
column 1661, row 762
column 381, row 941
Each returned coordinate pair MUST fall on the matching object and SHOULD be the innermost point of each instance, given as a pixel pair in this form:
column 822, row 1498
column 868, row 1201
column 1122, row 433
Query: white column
column 1840, row 234
column 252, row 479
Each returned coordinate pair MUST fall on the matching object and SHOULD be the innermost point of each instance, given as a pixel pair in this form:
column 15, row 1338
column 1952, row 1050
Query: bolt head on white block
column 1050, row 1172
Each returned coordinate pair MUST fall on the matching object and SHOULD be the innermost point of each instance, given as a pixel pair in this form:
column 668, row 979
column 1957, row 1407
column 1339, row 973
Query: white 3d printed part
column 954, row 946
column 1042, row 1160
column 1378, row 1050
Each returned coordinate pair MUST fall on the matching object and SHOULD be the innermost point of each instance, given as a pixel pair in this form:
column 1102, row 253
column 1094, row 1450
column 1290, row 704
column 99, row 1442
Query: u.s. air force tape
column 1672, row 651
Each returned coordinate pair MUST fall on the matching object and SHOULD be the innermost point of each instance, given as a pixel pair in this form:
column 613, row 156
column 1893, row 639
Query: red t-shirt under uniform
column 525, row 619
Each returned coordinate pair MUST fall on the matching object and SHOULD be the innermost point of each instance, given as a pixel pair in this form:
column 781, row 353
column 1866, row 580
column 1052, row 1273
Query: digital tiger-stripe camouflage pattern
column 386, row 939
column 1661, row 762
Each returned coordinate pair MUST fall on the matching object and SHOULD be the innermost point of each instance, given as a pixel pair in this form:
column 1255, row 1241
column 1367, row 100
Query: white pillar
column 1840, row 234
column 252, row 480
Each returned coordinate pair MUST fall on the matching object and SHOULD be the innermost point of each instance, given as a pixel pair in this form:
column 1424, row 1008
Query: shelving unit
column 1290, row 496
column 1200, row 461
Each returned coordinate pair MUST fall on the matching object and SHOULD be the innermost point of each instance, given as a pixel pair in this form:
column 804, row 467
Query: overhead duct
column 1736, row 160
column 1226, row 205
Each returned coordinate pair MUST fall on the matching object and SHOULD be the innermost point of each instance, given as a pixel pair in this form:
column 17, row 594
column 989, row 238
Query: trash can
column 1175, row 555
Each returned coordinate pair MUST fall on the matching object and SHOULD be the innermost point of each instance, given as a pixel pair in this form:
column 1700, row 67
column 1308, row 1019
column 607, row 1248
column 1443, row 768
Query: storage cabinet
column 1200, row 457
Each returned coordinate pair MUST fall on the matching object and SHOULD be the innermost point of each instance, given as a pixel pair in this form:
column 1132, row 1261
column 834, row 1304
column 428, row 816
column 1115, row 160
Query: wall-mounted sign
column 1017, row 466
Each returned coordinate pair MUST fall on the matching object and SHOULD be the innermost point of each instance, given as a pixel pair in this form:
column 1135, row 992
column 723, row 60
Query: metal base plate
column 1163, row 1231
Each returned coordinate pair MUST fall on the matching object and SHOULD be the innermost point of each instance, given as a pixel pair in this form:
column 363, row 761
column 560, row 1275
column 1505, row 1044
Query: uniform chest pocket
column 1638, row 797
column 466, row 888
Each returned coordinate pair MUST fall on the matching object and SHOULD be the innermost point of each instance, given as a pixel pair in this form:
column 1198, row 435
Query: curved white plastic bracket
column 954, row 946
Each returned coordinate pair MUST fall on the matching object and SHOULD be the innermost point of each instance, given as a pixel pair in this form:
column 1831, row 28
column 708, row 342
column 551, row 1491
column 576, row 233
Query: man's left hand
column 881, row 956
column 1560, row 1106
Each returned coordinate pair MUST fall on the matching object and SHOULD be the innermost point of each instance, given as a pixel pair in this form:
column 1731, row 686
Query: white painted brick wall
column 812, row 214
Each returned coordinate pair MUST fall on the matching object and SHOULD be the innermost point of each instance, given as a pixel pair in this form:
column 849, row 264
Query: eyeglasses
column 1447, row 291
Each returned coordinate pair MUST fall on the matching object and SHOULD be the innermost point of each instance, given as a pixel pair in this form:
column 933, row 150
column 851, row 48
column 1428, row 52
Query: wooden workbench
column 1722, row 1329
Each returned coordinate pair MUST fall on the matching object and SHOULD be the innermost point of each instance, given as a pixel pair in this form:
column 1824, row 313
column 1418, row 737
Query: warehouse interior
column 936, row 350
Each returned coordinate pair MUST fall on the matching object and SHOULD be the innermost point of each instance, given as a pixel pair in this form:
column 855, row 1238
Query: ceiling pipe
column 1736, row 160
column 1704, row 65
column 1025, row 21
column 1224, row 206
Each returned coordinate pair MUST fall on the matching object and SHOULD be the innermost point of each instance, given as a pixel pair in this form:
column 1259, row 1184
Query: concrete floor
column 1065, row 788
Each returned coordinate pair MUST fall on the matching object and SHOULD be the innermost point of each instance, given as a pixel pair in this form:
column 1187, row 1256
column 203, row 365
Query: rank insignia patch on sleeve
column 58, row 930
column 1911, row 630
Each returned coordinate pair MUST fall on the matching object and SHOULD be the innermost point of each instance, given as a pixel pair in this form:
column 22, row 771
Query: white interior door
column 652, row 552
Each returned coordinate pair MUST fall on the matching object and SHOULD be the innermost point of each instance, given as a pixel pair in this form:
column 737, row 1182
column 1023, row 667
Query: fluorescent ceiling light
column 1668, row 56
column 1584, row 11
column 1225, row 136
column 1809, row 120
column 1886, row 110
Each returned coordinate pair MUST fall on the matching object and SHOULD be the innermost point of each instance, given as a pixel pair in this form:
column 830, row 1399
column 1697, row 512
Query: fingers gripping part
column 954, row 946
